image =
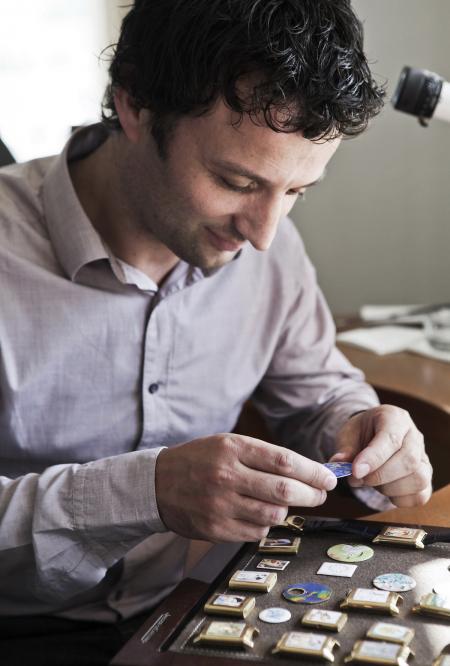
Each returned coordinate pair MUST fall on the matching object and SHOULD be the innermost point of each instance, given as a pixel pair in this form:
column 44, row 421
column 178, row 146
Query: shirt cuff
column 372, row 498
column 114, row 501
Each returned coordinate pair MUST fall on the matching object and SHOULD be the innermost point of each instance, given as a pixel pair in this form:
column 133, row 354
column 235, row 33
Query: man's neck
column 97, row 185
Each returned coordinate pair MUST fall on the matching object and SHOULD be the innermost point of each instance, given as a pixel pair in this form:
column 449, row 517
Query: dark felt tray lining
column 428, row 567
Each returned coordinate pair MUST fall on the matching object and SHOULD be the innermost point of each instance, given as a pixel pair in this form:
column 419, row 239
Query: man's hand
column 233, row 488
column 388, row 452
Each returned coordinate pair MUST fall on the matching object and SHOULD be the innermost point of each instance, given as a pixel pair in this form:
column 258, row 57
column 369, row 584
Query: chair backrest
column 5, row 155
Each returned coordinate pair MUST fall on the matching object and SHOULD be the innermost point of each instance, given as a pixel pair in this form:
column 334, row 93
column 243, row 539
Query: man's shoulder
column 21, row 207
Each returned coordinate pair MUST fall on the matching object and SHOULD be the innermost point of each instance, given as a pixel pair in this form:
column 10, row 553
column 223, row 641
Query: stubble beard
column 184, row 237
column 154, row 219
column 193, row 247
column 171, row 234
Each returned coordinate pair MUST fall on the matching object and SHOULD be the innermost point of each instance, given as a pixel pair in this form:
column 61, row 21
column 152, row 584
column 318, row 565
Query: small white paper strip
column 364, row 594
column 337, row 569
column 382, row 312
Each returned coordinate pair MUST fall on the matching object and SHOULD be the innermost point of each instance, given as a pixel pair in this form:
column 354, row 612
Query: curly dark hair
column 177, row 57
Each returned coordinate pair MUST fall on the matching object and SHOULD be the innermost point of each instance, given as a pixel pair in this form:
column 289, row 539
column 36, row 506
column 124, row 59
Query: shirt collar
column 74, row 238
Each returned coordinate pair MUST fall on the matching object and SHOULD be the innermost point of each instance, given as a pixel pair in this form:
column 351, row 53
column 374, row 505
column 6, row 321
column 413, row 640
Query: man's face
column 220, row 185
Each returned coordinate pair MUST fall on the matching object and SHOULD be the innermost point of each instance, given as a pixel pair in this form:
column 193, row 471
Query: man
column 152, row 284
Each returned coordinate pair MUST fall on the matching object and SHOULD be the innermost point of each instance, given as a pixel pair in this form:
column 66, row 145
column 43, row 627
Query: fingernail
column 330, row 482
column 361, row 471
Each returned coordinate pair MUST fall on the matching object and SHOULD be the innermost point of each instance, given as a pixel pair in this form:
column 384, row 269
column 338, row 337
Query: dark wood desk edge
column 161, row 624
column 166, row 620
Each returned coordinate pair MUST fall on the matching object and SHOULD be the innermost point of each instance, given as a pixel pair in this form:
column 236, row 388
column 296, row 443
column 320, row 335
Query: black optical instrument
column 423, row 94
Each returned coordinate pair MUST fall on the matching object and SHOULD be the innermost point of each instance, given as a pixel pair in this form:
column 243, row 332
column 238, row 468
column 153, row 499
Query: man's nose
column 258, row 223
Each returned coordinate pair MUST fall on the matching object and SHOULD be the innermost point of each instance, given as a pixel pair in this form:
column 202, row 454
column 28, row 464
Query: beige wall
column 115, row 10
column 378, row 227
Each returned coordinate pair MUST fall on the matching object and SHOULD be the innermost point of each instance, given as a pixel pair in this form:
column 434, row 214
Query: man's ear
column 130, row 118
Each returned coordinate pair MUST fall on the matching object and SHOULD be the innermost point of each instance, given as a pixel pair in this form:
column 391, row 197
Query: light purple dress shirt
column 100, row 368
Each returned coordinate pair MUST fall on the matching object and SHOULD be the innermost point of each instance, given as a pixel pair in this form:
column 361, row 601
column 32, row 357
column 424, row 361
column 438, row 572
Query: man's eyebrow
column 239, row 170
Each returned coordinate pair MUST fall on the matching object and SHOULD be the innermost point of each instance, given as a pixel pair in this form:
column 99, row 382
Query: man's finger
column 379, row 450
column 348, row 441
column 279, row 490
column 259, row 455
column 237, row 530
column 412, row 500
column 259, row 513
column 408, row 460
column 413, row 483
column 342, row 456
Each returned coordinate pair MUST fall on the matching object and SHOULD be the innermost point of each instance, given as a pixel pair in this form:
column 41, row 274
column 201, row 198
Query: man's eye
column 236, row 188
column 245, row 189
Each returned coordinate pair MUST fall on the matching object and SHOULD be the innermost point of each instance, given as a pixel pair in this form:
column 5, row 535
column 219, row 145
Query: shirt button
column 153, row 388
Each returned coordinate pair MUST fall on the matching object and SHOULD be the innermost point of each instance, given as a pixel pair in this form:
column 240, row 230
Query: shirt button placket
column 153, row 378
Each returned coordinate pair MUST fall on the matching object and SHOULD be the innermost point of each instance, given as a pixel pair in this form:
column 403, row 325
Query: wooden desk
column 408, row 374
column 421, row 386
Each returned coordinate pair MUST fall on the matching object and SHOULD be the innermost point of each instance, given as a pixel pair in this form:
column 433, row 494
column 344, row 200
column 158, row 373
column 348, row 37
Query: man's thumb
column 342, row 456
column 347, row 444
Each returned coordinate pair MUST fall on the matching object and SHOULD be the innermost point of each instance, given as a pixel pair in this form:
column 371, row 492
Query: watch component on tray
column 275, row 615
column 442, row 588
column 396, row 633
column 236, row 634
column 229, row 604
column 376, row 652
column 350, row 552
column 433, row 604
column 262, row 581
column 394, row 582
column 293, row 523
column 401, row 536
column 306, row 644
column 307, row 593
column 444, row 658
column 324, row 619
column 284, row 545
column 337, row 569
column 276, row 565
column 362, row 598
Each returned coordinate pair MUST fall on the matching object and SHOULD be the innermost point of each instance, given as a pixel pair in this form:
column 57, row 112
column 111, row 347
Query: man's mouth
column 223, row 243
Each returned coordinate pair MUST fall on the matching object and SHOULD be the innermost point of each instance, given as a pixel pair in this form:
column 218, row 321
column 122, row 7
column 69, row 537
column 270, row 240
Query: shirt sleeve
column 310, row 389
column 74, row 522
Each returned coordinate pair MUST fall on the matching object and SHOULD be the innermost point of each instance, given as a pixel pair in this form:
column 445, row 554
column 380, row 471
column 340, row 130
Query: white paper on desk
column 424, row 348
column 374, row 313
column 382, row 339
